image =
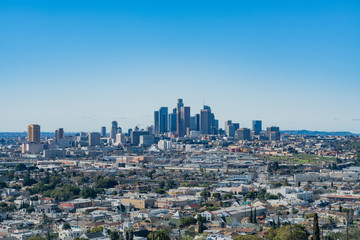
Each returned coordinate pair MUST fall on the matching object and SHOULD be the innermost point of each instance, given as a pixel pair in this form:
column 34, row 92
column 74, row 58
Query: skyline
column 82, row 65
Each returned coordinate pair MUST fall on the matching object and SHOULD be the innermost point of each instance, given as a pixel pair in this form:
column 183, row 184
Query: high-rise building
column 59, row 134
column 103, row 131
column 156, row 122
column 273, row 133
column 135, row 137
column 34, row 133
column 243, row 134
column 184, row 121
column 172, row 121
column 114, row 129
column 180, row 104
column 197, row 122
column 193, row 123
column 236, row 126
column 94, row 139
column 163, row 120
column 205, row 121
column 229, row 128
column 257, row 126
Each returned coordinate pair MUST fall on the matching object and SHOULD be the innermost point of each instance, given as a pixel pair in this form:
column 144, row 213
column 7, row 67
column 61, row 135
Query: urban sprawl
column 181, row 178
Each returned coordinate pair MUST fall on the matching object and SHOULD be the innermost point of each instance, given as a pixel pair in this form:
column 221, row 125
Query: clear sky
column 82, row 64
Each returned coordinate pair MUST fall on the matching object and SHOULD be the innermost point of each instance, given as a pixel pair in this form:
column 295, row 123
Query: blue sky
column 82, row 64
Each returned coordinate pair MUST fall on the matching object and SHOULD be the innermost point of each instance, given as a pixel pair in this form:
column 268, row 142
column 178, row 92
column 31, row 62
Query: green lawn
column 303, row 159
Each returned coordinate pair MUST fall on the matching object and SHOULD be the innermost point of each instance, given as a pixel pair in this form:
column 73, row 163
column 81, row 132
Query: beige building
column 139, row 203
column 34, row 133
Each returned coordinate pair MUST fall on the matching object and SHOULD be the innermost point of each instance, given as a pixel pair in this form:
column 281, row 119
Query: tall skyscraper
column 103, row 131
column 114, row 129
column 156, row 122
column 94, row 138
column 59, row 133
column 197, row 122
column 257, row 126
column 184, row 121
column 163, row 120
column 34, row 133
column 180, row 104
column 172, row 121
column 205, row 121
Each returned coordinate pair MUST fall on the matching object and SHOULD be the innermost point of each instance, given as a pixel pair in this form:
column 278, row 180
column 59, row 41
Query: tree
column 200, row 220
column 205, row 195
column 251, row 215
column 20, row 167
column 217, row 196
column 289, row 232
column 316, row 229
column 254, row 221
column 88, row 192
column 66, row 226
column 114, row 235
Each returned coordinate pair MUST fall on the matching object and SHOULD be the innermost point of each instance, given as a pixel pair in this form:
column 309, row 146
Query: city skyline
column 82, row 65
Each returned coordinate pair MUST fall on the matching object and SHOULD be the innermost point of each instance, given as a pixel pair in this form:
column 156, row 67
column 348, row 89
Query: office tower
column 119, row 130
column 193, row 123
column 180, row 104
column 229, row 128
column 273, row 133
column 94, row 139
column 156, row 122
column 172, row 121
column 184, row 121
column 120, row 138
column 163, row 120
column 150, row 129
column 103, row 131
column 205, row 121
column 236, row 126
column 59, row 133
column 257, row 126
column 135, row 137
column 34, row 133
column 243, row 134
column 197, row 122
column 114, row 129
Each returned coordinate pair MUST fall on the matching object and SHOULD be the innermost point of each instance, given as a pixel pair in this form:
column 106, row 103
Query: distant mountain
column 318, row 133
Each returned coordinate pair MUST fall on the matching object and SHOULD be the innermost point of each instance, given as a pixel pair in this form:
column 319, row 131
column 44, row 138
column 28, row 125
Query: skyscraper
column 34, row 133
column 94, row 138
column 59, row 134
column 180, row 104
column 205, row 121
column 257, row 126
column 273, row 133
column 184, row 120
column 114, row 129
column 103, row 131
column 163, row 120
column 243, row 134
column 172, row 121
column 156, row 122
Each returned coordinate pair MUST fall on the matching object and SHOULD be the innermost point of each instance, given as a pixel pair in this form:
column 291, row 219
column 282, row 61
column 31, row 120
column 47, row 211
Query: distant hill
column 318, row 133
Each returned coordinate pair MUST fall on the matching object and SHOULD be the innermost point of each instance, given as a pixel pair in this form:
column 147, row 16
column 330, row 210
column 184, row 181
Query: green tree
column 316, row 229
column 217, row 196
column 289, row 232
column 66, row 226
column 88, row 192
column 205, row 195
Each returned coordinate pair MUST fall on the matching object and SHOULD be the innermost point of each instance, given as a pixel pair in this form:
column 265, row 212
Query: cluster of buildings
column 184, row 172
